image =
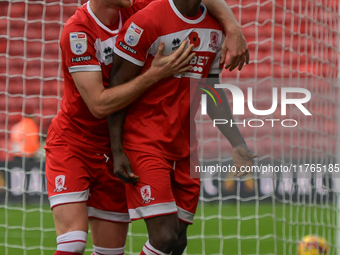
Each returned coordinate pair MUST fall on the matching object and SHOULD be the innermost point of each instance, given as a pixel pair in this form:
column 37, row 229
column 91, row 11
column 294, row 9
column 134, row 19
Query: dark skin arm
column 120, row 75
column 124, row 71
column 242, row 156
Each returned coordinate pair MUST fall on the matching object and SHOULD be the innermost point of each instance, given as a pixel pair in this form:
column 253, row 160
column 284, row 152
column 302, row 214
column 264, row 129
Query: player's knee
column 72, row 242
column 165, row 241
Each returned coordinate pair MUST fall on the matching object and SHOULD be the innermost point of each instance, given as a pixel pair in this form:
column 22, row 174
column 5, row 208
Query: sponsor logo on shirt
column 198, row 66
column 145, row 192
column 80, row 59
column 104, row 50
column 125, row 47
column 133, row 34
column 176, row 42
column 108, row 51
column 78, row 43
column 60, row 183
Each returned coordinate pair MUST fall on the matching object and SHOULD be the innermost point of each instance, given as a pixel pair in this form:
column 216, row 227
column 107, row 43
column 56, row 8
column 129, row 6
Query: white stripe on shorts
column 185, row 216
column 70, row 197
column 153, row 210
column 106, row 215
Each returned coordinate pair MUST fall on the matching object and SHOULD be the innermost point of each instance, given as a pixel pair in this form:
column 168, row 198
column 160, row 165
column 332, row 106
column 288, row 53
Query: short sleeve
column 78, row 49
column 135, row 39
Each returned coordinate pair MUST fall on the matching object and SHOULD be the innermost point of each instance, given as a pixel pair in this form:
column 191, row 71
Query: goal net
column 292, row 193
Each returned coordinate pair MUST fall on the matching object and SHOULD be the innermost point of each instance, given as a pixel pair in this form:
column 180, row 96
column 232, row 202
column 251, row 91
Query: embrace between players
column 151, row 57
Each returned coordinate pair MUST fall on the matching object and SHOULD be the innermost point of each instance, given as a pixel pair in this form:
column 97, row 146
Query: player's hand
column 177, row 62
column 242, row 156
column 237, row 46
column 122, row 168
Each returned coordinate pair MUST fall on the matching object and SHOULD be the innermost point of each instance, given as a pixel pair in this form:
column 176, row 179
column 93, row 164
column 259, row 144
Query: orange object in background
column 25, row 140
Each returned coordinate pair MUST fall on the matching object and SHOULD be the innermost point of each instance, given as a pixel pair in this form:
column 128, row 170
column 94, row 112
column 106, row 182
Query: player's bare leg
column 182, row 239
column 163, row 232
column 71, row 224
column 70, row 217
column 108, row 234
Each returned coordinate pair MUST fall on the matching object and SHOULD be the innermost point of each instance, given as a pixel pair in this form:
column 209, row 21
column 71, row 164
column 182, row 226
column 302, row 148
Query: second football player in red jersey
column 156, row 132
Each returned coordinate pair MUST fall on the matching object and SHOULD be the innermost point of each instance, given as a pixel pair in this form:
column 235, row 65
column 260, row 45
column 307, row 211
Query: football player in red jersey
column 156, row 131
column 78, row 157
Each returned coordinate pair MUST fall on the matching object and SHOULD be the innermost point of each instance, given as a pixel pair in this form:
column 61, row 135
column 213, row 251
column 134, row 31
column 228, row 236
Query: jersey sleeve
column 216, row 67
column 78, row 49
column 135, row 39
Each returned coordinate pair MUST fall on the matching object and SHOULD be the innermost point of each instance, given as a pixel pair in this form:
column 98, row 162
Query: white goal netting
column 292, row 44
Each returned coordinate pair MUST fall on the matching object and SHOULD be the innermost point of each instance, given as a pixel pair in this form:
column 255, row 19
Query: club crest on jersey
column 145, row 191
column 60, row 183
column 133, row 34
column 78, row 43
column 213, row 40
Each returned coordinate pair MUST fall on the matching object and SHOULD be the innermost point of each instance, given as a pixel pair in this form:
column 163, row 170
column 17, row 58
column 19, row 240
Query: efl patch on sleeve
column 78, row 43
column 133, row 34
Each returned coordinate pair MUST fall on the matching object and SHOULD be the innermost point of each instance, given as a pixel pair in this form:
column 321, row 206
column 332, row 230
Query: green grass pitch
column 219, row 228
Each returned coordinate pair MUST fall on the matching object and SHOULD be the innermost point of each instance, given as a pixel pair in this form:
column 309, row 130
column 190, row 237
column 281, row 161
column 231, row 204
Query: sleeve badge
column 133, row 34
column 78, row 43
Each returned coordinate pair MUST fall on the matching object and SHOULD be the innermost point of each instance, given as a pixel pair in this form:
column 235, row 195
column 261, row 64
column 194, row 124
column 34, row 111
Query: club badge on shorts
column 78, row 43
column 145, row 191
column 133, row 34
column 60, row 183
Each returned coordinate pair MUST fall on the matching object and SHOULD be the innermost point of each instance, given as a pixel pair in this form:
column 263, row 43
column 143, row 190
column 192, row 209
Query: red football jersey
column 87, row 45
column 159, row 121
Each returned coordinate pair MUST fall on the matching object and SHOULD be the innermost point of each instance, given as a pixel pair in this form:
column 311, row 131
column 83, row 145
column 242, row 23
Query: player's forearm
column 221, row 11
column 100, row 101
column 116, row 125
column 118, row 97
column 231, row 132
column 125, row 86
column 124, row 95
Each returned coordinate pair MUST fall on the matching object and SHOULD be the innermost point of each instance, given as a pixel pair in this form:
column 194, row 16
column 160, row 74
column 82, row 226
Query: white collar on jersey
column 101, row 24
column 190, row 21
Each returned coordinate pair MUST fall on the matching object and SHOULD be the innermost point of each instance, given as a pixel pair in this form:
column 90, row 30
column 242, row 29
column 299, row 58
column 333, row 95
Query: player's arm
column 103, row 101
column 122, row 168
column 235, row 42
column 123, row 75
column 242, row 156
